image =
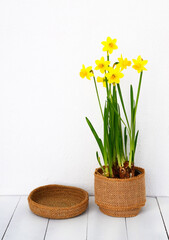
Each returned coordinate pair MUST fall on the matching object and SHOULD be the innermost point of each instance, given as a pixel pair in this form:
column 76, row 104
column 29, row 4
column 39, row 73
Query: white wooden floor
column 17, row 222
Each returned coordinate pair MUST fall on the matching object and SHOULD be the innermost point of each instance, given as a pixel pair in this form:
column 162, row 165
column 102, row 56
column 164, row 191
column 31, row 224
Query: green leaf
column 105, row 125
column 111, row 133
column 132, row 157
column 122, row 103
column 98, row 140
column 120, row 134
column 135, row 141
column 132, row 103
column 116, row 112
column 116, row 126
column 107, row 151
column 125, row 140
column 98, row 159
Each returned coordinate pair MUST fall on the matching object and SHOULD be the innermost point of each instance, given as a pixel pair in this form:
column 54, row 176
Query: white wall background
column 43, row 102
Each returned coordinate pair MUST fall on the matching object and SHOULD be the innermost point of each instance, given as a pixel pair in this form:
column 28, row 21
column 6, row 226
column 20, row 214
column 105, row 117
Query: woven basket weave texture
column 58, row 202
column 120, row 197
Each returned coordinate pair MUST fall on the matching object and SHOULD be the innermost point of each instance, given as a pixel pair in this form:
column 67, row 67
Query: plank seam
column 87, row 224
column 126, row 229
column 46, row 229
column 11, row 218
column 162, row 218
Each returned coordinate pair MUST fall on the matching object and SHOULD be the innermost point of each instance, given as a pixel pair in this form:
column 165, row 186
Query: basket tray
column 58, row 201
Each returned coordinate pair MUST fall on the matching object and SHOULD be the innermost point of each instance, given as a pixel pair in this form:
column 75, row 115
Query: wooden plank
column 7, row 208
column 67, row 229
column 25, row 225
column 148, row 225
column 101, row 226
column 164, row 208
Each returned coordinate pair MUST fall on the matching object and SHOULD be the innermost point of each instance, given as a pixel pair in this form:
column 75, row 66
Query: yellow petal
column 103, row 42
column 139, row 58
column 99, row 79
column 109, row 39
column 145, row 62
column 134, row 61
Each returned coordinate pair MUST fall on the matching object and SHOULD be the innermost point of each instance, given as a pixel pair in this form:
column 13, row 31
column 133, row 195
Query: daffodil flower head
column 102, row 65
column 114, row 75
column 139, row 64
column 101, row 79
column 86, row 72
column 123, row 63
column 109, row 45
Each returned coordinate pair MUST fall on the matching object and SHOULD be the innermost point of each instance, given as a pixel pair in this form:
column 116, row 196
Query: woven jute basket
column 120, row 197
column 58, row 201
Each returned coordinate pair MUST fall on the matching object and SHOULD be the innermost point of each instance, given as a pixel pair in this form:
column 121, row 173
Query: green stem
column 98, row 96
column 122, row 120
column 133, row 123
column 107, row 56
column 131, row 152
column 138, row 94
column 107, row 90
column 110, row 171
column 119, row 160
column 106, row 171
column 122, row 103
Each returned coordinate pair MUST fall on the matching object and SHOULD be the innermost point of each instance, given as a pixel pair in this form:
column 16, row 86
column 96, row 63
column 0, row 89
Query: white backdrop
column 43, row 102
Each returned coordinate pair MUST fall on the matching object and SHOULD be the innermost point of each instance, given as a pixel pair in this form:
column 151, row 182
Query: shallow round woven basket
column 57, row 201
column 120, row 197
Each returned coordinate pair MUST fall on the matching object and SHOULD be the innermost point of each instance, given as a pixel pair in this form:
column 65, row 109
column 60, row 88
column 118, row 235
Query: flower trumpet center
column 111, row 45
column 83, row 74
column 101, row 65
column 113, row 76
column 138, row 66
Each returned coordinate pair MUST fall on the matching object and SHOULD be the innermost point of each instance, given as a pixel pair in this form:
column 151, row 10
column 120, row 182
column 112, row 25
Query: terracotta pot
column 120, row 197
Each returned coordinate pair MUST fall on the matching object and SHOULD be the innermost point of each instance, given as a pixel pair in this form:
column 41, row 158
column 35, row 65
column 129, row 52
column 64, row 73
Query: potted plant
column 119, row 184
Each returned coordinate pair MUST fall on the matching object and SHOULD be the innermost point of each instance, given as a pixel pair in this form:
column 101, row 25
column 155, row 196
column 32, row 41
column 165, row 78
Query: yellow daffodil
column 123, row 63
column 109, row 45
column 139, row 64
column 86, row 72
column 114, row 75
column 102, row 65
column 104, row 83
column 101, row 79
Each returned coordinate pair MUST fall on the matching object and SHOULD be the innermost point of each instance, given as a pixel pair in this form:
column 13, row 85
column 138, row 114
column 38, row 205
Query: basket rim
column 98, row 175
column 32, row 202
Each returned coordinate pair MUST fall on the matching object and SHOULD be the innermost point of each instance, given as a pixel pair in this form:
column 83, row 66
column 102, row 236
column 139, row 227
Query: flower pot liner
column 58, row 201
column 120, row 197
